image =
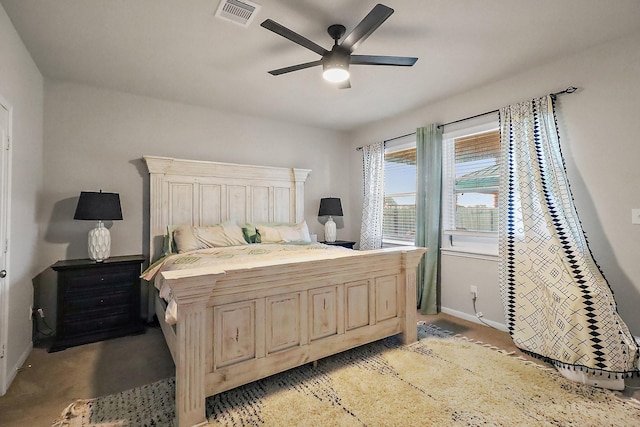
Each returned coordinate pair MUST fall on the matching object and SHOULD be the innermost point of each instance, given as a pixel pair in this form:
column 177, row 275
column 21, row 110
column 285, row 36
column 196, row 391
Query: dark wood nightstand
column 343, row 243
column 97, row 300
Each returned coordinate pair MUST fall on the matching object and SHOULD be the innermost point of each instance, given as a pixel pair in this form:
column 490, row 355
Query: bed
column 240, row 322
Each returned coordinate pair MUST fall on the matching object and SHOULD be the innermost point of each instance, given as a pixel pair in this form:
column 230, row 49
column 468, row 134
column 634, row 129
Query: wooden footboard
column 242, row 325
column 237, row 327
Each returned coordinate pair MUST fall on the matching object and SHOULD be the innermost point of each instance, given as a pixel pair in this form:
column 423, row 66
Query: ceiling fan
column 335, row 62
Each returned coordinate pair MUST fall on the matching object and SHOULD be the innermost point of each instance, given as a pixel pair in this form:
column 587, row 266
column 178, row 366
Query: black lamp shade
column 330, row 206
column 98, row 206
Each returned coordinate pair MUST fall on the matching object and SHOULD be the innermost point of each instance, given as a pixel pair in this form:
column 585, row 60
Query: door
column 4, row 203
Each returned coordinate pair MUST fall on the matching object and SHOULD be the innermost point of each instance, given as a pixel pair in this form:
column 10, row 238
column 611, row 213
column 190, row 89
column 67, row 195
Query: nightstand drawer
column 89, row 280
column 79, row 303
column 94, row 324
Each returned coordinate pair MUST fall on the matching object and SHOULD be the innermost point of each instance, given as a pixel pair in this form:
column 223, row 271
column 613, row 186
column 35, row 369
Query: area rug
column 441, row 380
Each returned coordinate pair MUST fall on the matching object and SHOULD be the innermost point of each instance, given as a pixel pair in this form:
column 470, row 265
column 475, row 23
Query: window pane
column 399, row 215
column 473, row 187
column 477, row 211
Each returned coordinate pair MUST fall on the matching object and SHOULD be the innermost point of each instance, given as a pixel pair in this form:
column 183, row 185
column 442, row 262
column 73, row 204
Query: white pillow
column 284, row 233
column 189, row 238
column 221, row 235
column 185, row 239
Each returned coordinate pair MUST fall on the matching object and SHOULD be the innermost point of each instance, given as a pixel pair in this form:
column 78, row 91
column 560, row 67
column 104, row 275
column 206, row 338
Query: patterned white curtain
column 373, row 171
column 558, row 306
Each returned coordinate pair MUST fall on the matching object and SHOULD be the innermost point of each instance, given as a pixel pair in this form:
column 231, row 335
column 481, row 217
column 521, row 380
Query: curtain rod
column 392, row 139
column 570, row 89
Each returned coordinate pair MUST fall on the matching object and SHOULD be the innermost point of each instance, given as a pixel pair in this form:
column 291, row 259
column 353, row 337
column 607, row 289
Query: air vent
column 240, row 12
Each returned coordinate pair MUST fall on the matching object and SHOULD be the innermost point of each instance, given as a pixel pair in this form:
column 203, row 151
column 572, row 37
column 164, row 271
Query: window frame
column 399, row 144
column 474, row 242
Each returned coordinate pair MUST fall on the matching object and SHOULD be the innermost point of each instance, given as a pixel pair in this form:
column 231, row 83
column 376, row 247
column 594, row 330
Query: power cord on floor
column 479, row 314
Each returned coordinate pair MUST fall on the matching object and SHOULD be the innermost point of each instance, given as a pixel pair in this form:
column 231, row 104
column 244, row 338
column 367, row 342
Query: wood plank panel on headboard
column 198, row 192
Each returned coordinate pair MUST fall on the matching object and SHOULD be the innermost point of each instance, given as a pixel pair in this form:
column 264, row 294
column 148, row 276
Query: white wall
column 599, row 130
column 21, row 87
column 95, row 139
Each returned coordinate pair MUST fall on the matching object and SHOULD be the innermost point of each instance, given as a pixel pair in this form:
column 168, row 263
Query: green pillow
column 250, row 233
column 170, row 247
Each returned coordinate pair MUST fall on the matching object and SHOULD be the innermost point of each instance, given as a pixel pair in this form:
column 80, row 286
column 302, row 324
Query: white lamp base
column 99, row 242
column 330, row 230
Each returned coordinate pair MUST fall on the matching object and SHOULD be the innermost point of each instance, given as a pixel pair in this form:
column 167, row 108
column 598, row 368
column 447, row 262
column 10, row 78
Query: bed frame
column 238, row 326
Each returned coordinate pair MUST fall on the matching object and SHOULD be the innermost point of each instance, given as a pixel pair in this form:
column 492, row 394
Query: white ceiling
column 177, row 50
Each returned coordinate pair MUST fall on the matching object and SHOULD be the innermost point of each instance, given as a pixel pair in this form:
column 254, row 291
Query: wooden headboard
column 205, row 193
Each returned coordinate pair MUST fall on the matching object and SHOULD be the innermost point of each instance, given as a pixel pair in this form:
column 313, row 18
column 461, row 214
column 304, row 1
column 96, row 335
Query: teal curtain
column 428, row 208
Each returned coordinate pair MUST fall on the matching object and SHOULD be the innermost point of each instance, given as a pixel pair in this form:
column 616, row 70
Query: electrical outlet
column 479, row 315
column 635, row 216
column 474, row 291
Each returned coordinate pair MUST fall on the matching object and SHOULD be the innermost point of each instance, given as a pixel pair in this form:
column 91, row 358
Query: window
column 399, row 212
column 471, row 179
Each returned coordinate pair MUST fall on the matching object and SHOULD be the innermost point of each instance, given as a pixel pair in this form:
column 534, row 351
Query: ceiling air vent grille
column 240, row 12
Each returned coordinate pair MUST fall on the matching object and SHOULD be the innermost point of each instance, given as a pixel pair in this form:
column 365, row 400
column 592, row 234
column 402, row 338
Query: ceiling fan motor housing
column 335, row 64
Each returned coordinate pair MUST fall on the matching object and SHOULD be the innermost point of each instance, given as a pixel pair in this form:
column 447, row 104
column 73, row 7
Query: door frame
column 5, row 202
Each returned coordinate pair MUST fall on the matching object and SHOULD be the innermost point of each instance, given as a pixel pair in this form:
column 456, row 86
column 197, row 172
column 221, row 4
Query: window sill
column 471, row 253
column 483, row 234
column 388, row 243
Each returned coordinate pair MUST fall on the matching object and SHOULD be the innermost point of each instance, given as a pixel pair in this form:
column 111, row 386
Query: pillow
column 221, row 235
column 268, row 234
column 170, row 247
column 284, row 233
column 189, row 238
column 185, row 239
column 250, row 233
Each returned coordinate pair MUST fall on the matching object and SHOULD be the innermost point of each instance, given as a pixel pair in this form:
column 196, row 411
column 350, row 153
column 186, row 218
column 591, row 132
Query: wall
column 21, row 87
column 95, row 139
column 599, row 136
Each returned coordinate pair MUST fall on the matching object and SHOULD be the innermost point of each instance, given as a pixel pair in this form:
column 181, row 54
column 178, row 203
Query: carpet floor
column 442, row 380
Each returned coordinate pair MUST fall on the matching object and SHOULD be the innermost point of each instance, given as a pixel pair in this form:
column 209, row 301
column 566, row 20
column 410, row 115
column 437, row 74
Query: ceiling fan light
column 335, row 74
column 335, row 65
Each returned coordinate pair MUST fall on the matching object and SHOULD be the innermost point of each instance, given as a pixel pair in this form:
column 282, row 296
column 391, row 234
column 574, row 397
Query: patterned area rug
column 441, row 380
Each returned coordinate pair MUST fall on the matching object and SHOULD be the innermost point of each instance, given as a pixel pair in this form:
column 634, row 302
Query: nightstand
column 97, row 300
column 343, row 243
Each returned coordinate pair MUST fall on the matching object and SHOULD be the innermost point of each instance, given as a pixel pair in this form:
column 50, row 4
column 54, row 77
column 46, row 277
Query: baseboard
column 474, row 319
column 11, row 374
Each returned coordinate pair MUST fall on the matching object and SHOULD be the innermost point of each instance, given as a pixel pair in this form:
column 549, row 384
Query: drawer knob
column 3, row 274
column 101, row 301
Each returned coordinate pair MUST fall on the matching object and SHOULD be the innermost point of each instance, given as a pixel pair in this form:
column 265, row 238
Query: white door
column 4, row 203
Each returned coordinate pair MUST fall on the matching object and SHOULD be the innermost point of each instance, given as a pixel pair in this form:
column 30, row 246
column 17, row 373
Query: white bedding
column 218, row 260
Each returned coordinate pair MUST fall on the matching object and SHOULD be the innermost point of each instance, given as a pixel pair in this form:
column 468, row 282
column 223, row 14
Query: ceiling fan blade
column 293, row 36
column 400, row 61
column 295, row 67
column 368, row 25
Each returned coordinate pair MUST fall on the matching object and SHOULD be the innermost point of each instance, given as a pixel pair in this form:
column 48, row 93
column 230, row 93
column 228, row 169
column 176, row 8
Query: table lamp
column 99, row 206
column 330, row 206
